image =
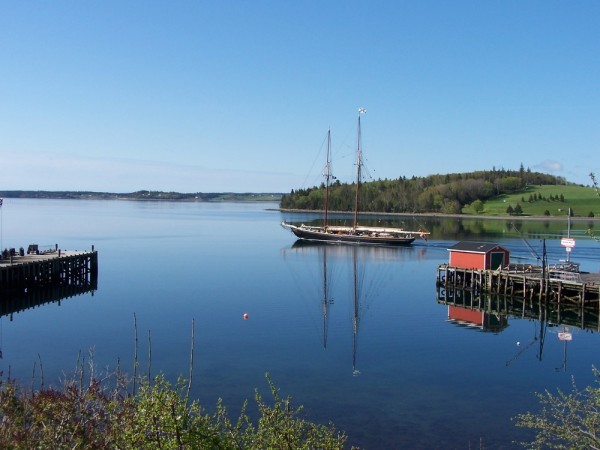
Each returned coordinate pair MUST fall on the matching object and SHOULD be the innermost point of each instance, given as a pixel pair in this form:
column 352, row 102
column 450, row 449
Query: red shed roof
column 476, row 247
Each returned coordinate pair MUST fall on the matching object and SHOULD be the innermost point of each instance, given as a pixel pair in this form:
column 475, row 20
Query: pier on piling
column 525, row 281
column 20, row 270
column 486, row 267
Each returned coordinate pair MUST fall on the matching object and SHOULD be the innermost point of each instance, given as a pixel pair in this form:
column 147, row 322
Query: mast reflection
column 330, row 258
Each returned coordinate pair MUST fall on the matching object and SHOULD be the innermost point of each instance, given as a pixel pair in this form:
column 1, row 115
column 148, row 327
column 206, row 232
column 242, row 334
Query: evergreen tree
column 518, row 210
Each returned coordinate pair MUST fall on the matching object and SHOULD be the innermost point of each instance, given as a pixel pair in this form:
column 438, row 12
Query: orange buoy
column 246, row 316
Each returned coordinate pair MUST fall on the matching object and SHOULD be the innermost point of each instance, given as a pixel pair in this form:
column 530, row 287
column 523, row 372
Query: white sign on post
column 567, row 242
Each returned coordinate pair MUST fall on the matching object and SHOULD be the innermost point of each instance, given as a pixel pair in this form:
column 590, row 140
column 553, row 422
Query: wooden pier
column 527, row 282
column 22, row 271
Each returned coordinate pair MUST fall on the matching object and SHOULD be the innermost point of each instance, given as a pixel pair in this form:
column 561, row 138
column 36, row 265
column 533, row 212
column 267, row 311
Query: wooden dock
column 527, row 282
column 22, row 271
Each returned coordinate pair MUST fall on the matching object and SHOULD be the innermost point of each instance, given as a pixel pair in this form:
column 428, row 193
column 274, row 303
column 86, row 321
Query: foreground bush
column 567, row 420
column 158, row 416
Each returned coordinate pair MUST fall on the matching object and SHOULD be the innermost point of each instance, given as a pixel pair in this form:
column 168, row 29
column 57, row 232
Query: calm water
column 356, row 335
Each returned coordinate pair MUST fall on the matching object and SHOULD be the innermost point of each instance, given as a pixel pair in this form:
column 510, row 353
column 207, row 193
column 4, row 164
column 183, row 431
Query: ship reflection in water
column 366, row 270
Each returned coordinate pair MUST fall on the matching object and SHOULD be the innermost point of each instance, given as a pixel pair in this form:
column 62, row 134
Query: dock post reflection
column 490, row 312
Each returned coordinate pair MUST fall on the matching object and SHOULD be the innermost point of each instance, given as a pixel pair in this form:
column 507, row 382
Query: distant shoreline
column 145, row 195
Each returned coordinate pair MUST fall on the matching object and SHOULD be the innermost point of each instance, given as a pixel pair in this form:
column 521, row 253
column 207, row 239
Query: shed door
column 497, row 260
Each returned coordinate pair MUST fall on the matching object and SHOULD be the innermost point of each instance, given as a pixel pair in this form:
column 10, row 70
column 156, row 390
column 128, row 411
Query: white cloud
column 549, row 165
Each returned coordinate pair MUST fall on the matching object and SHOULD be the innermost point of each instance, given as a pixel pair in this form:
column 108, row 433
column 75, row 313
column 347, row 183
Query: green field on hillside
column 547, row 200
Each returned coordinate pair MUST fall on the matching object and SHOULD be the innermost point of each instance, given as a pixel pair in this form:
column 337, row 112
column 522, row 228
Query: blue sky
column 198, row 96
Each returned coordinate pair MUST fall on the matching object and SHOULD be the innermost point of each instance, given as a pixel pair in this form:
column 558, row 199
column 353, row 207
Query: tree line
column 446, row 194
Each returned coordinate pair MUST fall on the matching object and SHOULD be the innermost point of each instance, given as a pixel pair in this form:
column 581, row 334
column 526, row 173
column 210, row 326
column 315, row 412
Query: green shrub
column 158, row 416
column 566, row 420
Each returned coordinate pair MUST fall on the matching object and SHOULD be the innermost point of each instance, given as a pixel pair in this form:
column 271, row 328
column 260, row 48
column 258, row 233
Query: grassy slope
column 582, row 200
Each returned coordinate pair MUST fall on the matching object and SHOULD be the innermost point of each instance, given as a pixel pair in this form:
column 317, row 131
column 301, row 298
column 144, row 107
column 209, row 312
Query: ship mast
column 358, row 168
column 328, row 176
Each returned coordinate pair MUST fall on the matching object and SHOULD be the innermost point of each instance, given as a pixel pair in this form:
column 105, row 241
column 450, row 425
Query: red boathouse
column 478, row 256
